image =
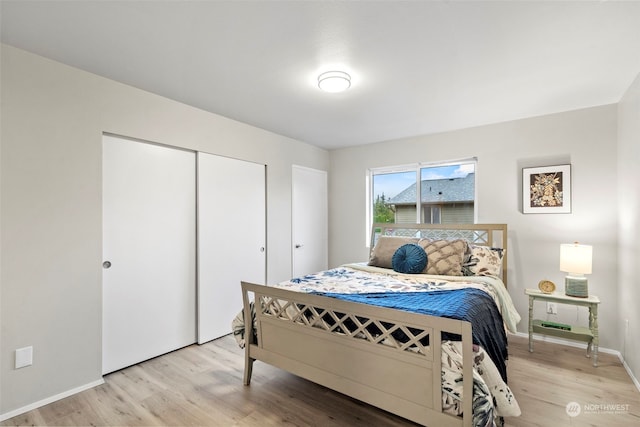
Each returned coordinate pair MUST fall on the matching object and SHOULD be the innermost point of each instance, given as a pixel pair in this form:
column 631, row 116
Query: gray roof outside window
column 446, row 190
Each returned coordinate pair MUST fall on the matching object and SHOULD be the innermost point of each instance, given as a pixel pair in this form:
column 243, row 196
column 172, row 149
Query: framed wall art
column 546, row 189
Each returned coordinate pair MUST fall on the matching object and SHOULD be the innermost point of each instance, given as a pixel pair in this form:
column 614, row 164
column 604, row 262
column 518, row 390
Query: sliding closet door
column 231, row 238
column 149, row 250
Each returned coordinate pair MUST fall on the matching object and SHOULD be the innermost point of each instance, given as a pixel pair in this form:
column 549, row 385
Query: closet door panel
column 231, row 238
column 149, row 239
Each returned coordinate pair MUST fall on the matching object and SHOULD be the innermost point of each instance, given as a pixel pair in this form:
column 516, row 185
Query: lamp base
column 576, row 287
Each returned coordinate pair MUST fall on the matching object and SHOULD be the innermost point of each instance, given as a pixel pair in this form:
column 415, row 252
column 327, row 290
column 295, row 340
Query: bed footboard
column 351, row 348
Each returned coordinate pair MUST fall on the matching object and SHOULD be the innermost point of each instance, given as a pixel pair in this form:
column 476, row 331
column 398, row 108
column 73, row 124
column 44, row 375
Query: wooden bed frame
column 347, row 358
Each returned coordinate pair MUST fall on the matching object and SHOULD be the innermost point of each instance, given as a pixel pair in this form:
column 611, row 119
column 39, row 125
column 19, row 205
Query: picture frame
column 546, row 189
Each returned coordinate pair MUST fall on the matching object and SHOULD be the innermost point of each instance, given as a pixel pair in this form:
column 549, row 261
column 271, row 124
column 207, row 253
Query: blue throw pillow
column 409, row 259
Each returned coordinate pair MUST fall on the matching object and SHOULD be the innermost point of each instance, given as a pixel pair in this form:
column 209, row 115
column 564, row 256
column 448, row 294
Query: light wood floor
column 202, row 386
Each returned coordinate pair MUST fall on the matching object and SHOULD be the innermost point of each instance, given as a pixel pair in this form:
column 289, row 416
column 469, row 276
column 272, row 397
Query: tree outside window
column 445, row 193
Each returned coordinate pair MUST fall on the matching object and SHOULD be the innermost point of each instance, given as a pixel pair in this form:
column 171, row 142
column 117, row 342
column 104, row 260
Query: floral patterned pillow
column 483, row 261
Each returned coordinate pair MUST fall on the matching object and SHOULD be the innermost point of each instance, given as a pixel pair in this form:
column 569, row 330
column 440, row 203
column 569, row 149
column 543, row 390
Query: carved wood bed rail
column 346, row 358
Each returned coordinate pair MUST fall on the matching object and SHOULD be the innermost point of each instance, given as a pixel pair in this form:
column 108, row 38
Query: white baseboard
column 577, row 344
column 48, row 400
column 633, row 378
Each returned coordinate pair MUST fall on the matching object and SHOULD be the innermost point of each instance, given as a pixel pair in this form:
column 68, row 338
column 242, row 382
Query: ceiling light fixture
column 334, row 81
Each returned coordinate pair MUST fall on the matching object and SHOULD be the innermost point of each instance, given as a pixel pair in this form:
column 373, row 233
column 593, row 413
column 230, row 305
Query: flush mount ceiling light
column 334, row 81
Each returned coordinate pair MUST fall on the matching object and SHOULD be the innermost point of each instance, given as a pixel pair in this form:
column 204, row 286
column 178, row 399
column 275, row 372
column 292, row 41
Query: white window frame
column 417, row 167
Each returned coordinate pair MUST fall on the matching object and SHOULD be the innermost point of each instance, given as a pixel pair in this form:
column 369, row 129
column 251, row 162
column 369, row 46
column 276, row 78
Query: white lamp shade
column 334, row 81
column 575, row 258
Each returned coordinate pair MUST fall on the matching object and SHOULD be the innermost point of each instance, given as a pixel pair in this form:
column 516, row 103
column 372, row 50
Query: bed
column 387, row 346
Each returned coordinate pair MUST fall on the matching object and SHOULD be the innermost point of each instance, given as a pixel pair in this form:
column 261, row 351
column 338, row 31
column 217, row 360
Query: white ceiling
column 417, row 67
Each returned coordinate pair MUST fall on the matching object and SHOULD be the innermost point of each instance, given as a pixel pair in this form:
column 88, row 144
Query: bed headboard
column 491, row 235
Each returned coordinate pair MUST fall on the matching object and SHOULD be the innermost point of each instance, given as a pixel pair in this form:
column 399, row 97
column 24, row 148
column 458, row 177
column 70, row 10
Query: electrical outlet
column 552, row 308
column 24, row 357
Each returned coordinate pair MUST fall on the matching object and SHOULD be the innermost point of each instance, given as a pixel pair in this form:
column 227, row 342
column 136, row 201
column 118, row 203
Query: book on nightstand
column 555, row 325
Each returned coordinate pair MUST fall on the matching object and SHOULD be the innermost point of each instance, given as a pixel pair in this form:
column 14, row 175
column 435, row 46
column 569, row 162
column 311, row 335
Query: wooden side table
column 578, row 333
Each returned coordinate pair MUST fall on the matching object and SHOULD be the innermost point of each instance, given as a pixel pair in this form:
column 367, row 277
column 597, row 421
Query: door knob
column 298, row 245
column 262, row 249
column 106, row 264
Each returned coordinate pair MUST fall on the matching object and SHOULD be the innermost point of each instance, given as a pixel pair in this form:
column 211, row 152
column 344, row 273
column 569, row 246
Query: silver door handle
column 106, row 264
column 298, row 245
column 262, row 249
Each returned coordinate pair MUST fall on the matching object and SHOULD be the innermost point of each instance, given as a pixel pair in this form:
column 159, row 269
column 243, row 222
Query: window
column 431, row 214
column 442, row 193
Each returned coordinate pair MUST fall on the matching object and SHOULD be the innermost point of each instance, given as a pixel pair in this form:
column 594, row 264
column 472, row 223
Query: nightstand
column 578, row 333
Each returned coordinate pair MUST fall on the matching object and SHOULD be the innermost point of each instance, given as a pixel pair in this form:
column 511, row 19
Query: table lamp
column 575, row 259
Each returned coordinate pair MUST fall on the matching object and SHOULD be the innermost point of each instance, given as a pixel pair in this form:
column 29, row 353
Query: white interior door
column 309, row 221
column 149, row 232
column 231, row 238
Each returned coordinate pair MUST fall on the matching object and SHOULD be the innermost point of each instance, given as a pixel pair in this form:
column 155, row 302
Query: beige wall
column 629, row 225
column 53, row 117
column 585, row 138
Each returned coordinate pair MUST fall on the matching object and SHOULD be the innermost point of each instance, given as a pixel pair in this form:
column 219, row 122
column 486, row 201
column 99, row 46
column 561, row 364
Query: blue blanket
column 469, row 304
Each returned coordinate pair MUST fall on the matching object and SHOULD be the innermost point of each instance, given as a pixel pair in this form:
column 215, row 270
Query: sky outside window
column 390, row 184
